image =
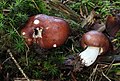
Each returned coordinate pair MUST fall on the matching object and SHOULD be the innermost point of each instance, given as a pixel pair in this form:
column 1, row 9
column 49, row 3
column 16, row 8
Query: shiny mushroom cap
column 113, row 24
column 95, row 39
column 46, row 31
column 96, row 43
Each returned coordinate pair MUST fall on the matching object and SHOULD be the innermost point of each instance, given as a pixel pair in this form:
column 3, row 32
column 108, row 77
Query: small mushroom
column 96, row 43
column 46, row 31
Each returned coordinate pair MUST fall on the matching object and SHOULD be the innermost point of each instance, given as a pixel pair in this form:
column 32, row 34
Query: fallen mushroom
column 96, row 43
column 46, row 31
column 113, row 24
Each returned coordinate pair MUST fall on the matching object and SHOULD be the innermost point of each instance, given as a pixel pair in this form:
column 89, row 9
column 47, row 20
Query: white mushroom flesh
column 54, row 45
column 89, row 55
column 36, row 21
column 23, row 33
column 39, row 33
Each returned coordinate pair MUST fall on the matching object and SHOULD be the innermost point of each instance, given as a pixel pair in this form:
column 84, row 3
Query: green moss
column 45, row 63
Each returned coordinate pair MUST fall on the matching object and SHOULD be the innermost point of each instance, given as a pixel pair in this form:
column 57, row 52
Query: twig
column 116, row 64
column 25, row 43
column 86, row 10
column 7, row 77
column 35, row 5
column 73, row 77
column 64, row 2
column 18, row 66
column 27, row 53
column 65, row 9
column 109, row 67
column 6, row 60
column 106, row 76
column 93, row 73
column 89, row 19
column 23, row 79
column 108, row 59
column 81, row 13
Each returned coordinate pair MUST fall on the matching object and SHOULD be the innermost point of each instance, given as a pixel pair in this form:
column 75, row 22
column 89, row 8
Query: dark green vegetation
column 39, row 63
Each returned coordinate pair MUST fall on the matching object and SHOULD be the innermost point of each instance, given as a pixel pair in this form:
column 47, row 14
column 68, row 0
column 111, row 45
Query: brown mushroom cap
column 96, row 39
column 113, row 24
column 55, row 31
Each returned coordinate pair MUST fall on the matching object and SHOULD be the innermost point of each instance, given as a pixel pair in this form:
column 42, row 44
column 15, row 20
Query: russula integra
column 113, row 24
column 96, row 43
column 46, row 31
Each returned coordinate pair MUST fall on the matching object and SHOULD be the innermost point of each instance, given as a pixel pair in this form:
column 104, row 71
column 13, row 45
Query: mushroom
column 113, row 24
column 46, row 31
column 96, row 43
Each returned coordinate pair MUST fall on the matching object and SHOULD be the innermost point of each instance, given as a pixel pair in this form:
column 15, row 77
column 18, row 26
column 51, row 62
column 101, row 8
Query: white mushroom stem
column 89, row 55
